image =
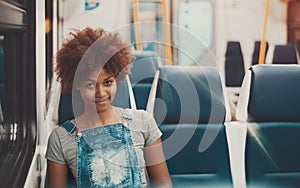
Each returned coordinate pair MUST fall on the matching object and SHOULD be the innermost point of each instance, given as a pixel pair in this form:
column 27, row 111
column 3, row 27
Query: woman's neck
column 110, row 116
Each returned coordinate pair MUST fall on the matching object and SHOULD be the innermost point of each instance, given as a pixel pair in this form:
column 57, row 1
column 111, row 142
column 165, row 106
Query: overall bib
column 106, row 156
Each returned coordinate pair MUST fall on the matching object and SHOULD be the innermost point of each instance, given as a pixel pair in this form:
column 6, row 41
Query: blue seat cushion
column 272, row 154
column 186, row 159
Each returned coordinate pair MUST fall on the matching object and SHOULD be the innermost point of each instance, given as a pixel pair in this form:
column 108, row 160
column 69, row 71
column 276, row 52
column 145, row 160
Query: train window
column 1, row 78
column 151, row 29
column 196, row 19
column 18, row 128
column 49, row 48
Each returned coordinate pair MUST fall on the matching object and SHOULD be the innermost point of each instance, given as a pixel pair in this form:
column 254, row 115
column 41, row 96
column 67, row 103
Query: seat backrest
column 195, row 92
column 190, row 111
column 234, row 64
column 141, row 77
column 271, row 103
column 285, row 54
column 270, row 94
column 65, row 107
column 255, row 55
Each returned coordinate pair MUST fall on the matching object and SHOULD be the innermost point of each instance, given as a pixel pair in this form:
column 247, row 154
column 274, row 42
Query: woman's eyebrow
column 108, row 78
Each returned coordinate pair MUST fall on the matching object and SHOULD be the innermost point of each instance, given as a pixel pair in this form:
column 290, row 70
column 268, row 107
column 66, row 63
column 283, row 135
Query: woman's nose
column 100, row 92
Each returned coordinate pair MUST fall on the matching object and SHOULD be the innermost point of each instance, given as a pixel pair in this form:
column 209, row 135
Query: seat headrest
column 144, row 67
column 65, row 108
column 270, row 93
column 285, row 54
column 122, row 97
column 189, row 94
column 234, row 64
column 233, row 47
column 255, row 55
column 257, row 48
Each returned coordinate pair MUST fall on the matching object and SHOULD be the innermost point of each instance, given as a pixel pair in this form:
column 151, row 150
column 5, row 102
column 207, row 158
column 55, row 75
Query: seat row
column 270, row 104
column 235, row 67
column 261, row 149
column 234, row 59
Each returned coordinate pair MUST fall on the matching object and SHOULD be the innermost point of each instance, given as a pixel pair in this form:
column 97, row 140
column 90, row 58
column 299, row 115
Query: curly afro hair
column 91, row 49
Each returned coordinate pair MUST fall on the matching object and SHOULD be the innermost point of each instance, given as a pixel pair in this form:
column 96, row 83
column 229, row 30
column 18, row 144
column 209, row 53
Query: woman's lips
column 102, row 101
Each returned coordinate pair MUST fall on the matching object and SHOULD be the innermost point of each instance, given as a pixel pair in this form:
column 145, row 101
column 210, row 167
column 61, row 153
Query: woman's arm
column 57, row 175
column 156, row 165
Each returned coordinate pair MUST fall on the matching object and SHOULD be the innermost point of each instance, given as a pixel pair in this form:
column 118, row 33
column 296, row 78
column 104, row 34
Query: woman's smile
column 102, row 101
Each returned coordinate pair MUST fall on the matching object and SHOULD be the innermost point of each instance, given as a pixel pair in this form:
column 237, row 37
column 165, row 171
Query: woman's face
column 98, row 90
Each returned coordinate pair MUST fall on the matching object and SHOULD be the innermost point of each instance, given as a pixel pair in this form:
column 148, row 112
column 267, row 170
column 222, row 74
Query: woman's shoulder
column 66, row 128
column 135, row 114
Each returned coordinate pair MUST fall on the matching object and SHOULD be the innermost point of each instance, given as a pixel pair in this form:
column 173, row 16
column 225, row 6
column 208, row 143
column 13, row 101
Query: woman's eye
column 90, row 85
column 108, row 83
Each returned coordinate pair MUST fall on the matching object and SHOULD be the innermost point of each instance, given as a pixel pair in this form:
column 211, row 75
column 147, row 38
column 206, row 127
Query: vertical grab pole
column 137, row 25
column 167, row 36
column 262, row 50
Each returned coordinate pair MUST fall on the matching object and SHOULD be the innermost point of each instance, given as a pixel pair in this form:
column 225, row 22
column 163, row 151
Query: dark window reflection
column 2, row 105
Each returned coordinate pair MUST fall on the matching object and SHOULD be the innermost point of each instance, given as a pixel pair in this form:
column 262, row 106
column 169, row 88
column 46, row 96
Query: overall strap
column 70, row 127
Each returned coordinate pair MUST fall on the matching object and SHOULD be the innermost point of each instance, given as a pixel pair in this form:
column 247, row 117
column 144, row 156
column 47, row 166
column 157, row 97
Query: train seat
column 234, row 64
column 285, row 54
column 190, row 111
column 123, row 98
column 234, row 69
column 255, row 55
column 141, row 77
column 269, row 103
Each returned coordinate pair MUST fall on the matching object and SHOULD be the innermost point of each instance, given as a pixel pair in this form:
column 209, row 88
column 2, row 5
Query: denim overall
column 106, row 156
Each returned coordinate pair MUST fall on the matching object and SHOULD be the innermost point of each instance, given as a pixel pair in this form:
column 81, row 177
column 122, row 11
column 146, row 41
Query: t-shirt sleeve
column 153, row 132
column 54, row 149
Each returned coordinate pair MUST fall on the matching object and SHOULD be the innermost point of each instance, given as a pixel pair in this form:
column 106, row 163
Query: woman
column 105, row 146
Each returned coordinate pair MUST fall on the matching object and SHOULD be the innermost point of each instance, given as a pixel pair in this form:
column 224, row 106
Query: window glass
column 1, row 78
column 150, row 14
column 196, row 19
